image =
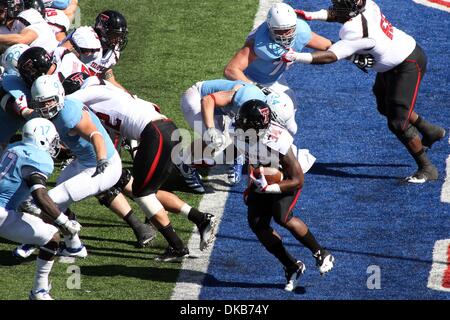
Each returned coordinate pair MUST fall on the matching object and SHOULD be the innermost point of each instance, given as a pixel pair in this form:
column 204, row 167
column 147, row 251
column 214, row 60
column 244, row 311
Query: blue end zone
column 352, row 200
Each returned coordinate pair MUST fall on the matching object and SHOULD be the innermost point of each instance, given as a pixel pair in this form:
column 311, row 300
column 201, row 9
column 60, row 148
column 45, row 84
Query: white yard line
column 445, row 193
column 194, row 270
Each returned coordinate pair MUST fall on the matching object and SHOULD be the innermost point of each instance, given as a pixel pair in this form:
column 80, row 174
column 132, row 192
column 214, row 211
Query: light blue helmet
column 11, row 56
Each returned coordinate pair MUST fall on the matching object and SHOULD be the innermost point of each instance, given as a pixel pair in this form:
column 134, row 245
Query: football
column 273, row 175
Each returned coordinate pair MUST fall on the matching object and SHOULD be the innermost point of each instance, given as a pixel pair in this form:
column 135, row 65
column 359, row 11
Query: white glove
column 289, row 57
column 216, row 138
column 71, row 227
column 260, row 183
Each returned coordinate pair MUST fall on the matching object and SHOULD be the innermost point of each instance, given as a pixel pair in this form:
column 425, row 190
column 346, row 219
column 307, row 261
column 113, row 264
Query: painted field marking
column 443, row 5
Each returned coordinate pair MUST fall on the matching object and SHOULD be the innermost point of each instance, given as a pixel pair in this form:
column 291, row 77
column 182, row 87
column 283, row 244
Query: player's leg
column 25, row 228
column 401, row 93
column 282, row 208
column 114, row 200
column 151, row 167
column 259, row 221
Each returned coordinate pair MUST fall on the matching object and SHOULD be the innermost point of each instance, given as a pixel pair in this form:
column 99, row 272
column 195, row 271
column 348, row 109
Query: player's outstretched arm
column 234, row 70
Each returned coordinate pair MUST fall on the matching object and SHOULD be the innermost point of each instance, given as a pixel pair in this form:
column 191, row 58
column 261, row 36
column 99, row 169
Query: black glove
column 101, row 166
column 363, row 61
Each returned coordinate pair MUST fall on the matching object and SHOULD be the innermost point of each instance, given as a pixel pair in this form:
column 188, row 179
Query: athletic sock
column 196, row 216
column 171, row 237
column 43, row 268
column 280, row 252
column 72, row 242
column 132, row 221
column 310, row 242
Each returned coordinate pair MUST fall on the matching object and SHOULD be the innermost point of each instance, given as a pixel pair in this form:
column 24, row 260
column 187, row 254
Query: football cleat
column 206, row 230
column 423, row 175
column 172, row 255
column 65, row 163
column 24, row 251
column 191, row 177
column 80, row 252
column 40, row 295
column 293, row 275
column 235, row 171
column 324, row 261
column 145, row 235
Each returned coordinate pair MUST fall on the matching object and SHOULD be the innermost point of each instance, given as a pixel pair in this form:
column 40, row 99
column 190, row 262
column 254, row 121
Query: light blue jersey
column 9, row 124
column 267, row 68
column 18, row 159
column 66, row 119
column 245, row 93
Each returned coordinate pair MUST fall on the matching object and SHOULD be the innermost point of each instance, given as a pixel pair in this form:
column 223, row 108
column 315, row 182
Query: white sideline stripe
column 193, row 271
column 440, row 265
column 445, row 193
column 433, row 5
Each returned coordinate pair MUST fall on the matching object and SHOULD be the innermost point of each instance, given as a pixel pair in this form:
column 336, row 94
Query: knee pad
column 124, row 179
column 105, row 198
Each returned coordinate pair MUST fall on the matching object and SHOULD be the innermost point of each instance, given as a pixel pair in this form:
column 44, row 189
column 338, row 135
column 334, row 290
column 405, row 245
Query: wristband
column 272, row 188
column 62, row 219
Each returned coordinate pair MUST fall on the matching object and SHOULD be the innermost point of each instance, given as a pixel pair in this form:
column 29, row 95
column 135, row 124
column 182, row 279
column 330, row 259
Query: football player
column 400, row 64
column 100, row 47
column 97, row 166
column 24, row 26
column 24, row 169
column 140, row 120
column 209, row 107
column 69, row 7
column 266, row 143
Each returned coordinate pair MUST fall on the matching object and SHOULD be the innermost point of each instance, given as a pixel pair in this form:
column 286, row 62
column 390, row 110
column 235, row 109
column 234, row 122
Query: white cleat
column 24, row 251
column 324, row 261
column 292, row 276
column 80, row 252
column 206, row 230
column 40, row 295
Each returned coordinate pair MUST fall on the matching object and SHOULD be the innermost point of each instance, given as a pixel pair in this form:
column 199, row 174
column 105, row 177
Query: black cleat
column 423, row 175
column 145, row 235
column 292, row 276
column 206, row 230
column 172, row 255
column 324, row 261
column 433, row 135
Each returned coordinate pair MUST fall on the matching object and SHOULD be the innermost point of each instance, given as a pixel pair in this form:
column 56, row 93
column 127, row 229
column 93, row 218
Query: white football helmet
column 11, row 56
column 47, row 96
column 41, row 133
column 282, row 23
column 281, row 106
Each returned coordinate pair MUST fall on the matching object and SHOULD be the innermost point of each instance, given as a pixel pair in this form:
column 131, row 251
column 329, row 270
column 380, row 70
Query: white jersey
column 57, row 20
column 282, row 108
column 390, row 46
column 276, row 141
column 67, row 63
column 104, row 62
column 32, row 19
column 117, row 109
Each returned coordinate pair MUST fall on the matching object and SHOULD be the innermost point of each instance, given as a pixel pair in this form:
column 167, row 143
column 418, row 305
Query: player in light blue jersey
column 97, row 166
column 260, row 59
column 209, row 107
column 24, row 168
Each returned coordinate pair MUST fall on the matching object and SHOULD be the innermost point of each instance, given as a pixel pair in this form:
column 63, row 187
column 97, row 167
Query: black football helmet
column 344, row 10
column 111, row 27
column 74, row 82
column 12, row 8
column 33, row 63
column 253, row 114
column 35, row 4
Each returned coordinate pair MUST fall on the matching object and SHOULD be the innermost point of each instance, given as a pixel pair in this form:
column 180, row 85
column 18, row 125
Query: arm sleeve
column 34, row 178
column 345, row 48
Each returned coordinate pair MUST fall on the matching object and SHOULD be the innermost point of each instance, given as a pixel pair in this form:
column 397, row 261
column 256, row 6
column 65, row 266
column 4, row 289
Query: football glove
column 215, row 138
column 101, row 166
column 363, row 61
column 260, row 183
column 303, row 15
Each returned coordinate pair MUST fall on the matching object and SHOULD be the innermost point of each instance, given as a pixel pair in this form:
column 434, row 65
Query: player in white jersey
column 27, row 27
column 69, row 7
column 139, row 120
column 99, row 47
column 400, row 64
column 58, row 21
column 268, row 144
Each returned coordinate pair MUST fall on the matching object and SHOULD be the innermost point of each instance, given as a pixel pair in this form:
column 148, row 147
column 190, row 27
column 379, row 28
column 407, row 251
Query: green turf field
column 172, row 44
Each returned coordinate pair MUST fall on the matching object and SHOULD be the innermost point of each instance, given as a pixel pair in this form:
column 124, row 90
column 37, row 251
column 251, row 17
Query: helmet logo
column 265, row 112
column 104, row 17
